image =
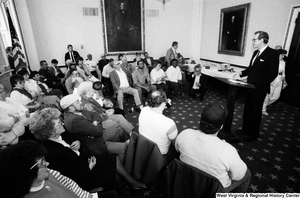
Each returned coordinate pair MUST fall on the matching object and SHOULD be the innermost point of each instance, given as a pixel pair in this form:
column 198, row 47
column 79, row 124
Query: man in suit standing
column 72, row 55
column 171, row 53
column 262, row 70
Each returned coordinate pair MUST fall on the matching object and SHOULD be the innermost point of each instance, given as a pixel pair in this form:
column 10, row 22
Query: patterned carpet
column 274, row 159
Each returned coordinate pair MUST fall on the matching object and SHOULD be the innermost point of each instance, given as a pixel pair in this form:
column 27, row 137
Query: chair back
column 183, row 180
column 143, row 160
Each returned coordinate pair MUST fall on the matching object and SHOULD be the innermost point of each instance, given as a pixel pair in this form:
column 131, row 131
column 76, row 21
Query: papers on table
column 237, row 81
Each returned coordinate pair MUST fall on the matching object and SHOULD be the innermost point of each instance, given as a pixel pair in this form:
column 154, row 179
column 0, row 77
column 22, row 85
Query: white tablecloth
column 214, row 70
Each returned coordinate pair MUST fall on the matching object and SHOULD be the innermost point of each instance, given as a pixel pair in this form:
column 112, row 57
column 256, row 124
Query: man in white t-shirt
column 91, row 64
column 174, row 77
column 157, row 127
column 205, row 151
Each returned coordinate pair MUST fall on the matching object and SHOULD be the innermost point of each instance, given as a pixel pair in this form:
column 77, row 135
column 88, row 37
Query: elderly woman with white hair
column 112, row 123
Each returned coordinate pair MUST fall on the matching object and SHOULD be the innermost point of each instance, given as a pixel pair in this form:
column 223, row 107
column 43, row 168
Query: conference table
column 226, row 76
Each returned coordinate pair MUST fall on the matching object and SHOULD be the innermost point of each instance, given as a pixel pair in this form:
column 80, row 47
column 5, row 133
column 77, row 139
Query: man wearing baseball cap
column 205, row 151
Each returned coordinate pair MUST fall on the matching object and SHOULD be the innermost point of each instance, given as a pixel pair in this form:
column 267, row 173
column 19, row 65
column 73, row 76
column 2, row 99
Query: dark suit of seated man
column 71, row 55
column 197, row 83
column 149, row 61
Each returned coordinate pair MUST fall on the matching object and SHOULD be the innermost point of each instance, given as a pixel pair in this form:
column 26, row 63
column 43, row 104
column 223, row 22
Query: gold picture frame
column 233, row 29
column 123, row 26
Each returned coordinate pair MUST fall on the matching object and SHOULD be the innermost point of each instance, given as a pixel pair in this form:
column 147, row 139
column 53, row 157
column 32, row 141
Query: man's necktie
column 175, row 53
column 257, row 55
column 72, row 57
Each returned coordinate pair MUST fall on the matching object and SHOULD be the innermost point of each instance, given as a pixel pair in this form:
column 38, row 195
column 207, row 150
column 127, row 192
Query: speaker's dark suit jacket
column 261, row 73
column 67, row 56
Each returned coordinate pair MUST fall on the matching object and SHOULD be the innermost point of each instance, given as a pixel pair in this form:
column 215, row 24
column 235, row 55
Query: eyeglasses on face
column 60, row 123
column 41, row 163
column 253, row 40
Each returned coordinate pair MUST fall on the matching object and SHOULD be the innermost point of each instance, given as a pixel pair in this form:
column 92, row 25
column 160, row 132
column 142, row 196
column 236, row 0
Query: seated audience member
column 84, row 70
column 128, row 68
column 36, row 92
column 10, row 129
column 149, row 61
column 70, row 65
column 197, row 83
column 73, row 73
column 44, row 87
column 174, row 77
column 102, row 62
column 71, row 54
column 171, row 53
column 141, row 80
column 121, row 85
column 120, row 56
column 158, row 77
column 105, row 102
column 55, row 69
column 91, row 65
column 205, row 151
column 111, row 123
column 157, row 127
column 48, row 77
column 11, row 107
column 21, row 95
column 109, row 67
column 76, row 81
column 29, row 84
column 87, row 124
column 138, row 56
column 26, row 161
column 67, row 157
column 10, row 58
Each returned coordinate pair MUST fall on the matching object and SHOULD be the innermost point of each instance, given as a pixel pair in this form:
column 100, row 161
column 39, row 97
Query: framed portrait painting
column 123, row 26
column 233, row 29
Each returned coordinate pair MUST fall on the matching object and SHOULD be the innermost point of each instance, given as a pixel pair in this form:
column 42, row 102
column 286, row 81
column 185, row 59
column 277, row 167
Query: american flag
column 18, row 55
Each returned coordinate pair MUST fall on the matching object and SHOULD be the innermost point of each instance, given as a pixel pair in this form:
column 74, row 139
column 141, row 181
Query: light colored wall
column 267, row 15
column 48, row 26
column 173, row 24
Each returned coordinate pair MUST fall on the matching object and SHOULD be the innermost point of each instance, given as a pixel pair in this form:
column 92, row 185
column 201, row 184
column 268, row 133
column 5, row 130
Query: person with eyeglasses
column 197, row 83
column 261, row 72
column 69, row 155
column 25, row 174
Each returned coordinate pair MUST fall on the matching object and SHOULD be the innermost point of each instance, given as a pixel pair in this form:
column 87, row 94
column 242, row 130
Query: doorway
column 291, row 94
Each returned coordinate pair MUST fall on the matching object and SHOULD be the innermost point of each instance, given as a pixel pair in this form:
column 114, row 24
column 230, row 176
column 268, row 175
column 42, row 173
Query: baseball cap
column 213, row 114
column 68, row 100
